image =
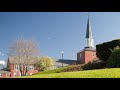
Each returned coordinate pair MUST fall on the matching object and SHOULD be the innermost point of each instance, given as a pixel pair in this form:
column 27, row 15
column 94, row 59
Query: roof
column 58, row 62
column 80, row 51
column 65, row 62
column 89, row 49
column 2, row 71
column 88, row 31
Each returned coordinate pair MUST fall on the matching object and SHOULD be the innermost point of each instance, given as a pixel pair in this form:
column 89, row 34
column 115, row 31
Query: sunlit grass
column 101, row 73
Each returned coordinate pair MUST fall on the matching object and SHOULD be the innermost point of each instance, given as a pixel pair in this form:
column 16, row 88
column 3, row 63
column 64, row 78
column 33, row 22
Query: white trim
column 89, row 42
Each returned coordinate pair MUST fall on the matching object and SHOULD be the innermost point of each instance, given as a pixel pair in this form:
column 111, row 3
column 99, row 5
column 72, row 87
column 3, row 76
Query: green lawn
column 101, row 73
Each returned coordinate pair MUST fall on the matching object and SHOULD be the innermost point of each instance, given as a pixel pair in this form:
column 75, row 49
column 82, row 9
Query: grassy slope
column 102, row 73
column 59, row 70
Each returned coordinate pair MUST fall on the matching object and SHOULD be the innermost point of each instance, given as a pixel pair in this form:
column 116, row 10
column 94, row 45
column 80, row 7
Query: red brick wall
column 4, row 75
column 86, row 56
column 11, row 67
column 82, row 58
column 89, row 56
column 12, row 71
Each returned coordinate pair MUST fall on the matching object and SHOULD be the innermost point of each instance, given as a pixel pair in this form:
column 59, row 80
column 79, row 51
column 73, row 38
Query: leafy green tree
column 105, row 49
column 114, row 59
column 44, row 63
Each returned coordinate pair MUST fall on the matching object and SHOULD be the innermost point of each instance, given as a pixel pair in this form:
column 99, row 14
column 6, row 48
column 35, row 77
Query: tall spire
column 88, row 31
column 89, row 37
column 88, row 15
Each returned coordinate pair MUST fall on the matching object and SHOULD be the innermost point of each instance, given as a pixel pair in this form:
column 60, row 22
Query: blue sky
column 57, row 31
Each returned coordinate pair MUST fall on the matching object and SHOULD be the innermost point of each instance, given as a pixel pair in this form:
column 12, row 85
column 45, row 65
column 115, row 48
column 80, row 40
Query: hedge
column 103, row 51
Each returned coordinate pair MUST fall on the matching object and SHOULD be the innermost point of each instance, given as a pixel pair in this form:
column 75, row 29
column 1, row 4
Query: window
column 16, row 66
column 30, row 68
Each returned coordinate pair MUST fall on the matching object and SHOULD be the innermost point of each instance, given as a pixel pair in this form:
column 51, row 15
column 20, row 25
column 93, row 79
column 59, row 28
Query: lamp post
column 62, row 58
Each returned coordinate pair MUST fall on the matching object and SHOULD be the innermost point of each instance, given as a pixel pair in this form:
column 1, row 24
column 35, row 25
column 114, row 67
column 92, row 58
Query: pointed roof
column 88, row 31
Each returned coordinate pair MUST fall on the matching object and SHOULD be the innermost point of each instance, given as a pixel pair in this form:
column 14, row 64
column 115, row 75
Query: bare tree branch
column 23, row 52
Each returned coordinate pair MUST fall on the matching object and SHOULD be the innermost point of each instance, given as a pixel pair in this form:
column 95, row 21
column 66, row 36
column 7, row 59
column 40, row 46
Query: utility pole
column 62, row 58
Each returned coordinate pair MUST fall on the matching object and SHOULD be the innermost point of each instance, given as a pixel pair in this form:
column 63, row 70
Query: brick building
column 89, row 52
column 13, row 67
column 4, row 74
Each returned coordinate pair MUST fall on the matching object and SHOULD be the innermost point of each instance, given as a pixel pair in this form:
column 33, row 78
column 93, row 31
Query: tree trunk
column 21, row 72
column 26, row 70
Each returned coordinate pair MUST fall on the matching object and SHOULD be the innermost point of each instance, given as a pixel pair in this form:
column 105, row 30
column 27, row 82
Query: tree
column 23, row 53
column 105, row 49
column 44, row 63
column 114, row 59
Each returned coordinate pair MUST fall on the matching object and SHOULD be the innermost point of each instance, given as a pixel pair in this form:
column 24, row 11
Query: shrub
column 94, row 65
column 63, row 69
column 73, row 68
column 44, row 63
column 114, row 59
column 104, row 50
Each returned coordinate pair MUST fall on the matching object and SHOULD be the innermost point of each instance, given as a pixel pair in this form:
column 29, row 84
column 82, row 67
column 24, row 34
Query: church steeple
column 89, row 38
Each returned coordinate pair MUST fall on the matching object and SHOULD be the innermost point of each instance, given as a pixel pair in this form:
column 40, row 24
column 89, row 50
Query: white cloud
column 2, row 62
